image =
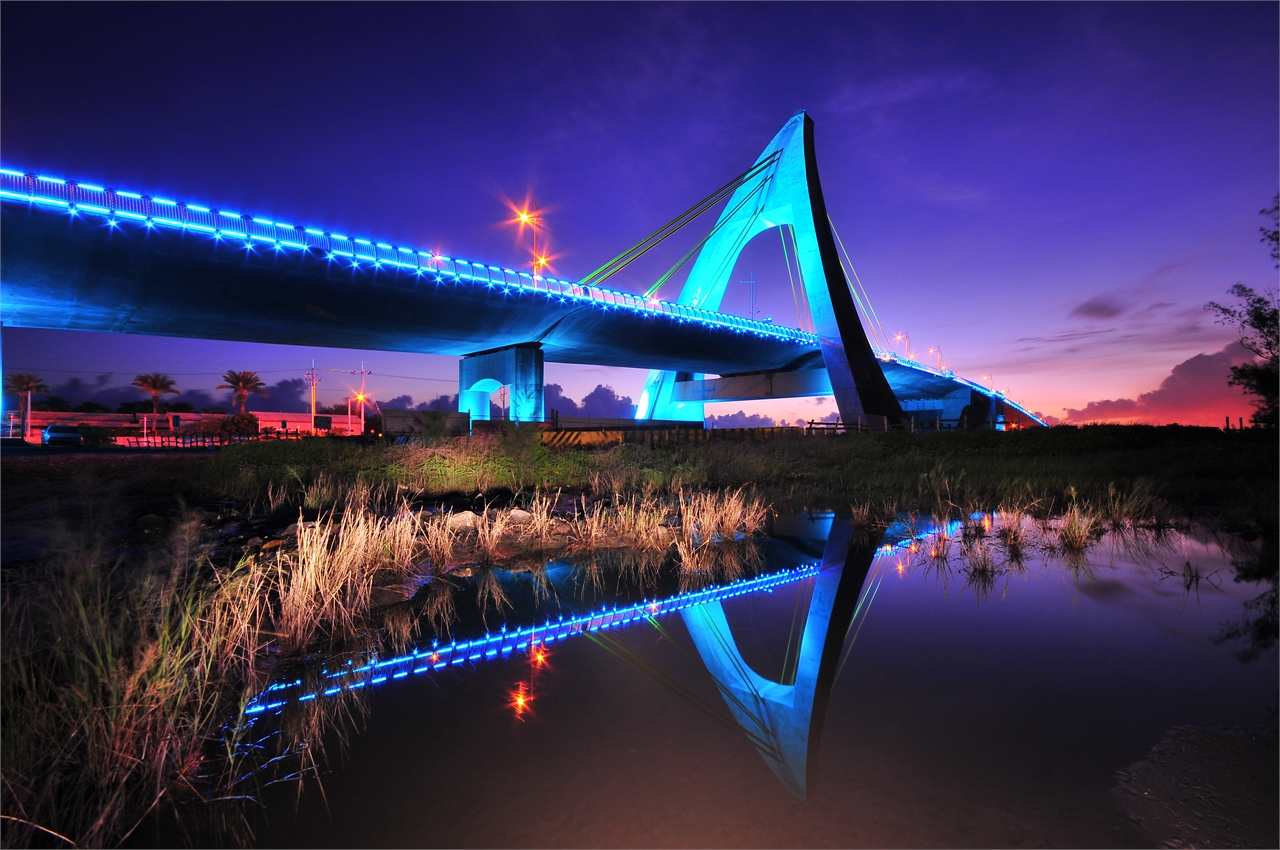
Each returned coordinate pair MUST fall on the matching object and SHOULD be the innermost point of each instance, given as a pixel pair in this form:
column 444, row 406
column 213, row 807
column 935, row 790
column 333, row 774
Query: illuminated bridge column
column 518, row 367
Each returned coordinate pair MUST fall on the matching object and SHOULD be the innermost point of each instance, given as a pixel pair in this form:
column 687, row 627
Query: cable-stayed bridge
column 82, row 256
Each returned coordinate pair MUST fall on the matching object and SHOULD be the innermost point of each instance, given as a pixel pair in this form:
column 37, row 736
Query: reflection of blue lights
column 505, row 642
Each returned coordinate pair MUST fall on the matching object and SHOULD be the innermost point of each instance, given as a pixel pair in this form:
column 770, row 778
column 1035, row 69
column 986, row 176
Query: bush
column 239, row 425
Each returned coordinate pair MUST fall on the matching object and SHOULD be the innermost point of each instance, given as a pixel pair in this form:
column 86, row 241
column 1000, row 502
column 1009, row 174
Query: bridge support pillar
column 518, row 367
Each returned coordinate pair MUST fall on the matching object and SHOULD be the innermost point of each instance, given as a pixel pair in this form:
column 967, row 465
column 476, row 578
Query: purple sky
column 1048, row 192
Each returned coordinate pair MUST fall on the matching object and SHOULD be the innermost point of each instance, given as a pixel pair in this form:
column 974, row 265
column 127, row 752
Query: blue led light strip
column 96, row 200
column 504, row 643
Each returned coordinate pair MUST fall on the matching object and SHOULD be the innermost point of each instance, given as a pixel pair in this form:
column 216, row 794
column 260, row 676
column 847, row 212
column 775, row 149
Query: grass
column 112, row 683
column 1134, row 473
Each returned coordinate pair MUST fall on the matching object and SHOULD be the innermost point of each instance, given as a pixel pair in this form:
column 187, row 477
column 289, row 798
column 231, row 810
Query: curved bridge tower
column 785, row 191
column 785, row 721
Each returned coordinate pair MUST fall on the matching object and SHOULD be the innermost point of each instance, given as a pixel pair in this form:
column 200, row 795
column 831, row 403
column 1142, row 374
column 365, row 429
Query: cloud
column 1099, row 307
column 555, row 399
column 1070, row 336
column 444, row 401
column 895, row 91
column 1195, row 393
column 290, row 395
column 740, row 420
column 400, row 402
column 604, row 403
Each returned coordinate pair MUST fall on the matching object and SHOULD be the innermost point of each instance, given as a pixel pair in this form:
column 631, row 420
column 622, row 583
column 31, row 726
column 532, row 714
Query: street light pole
column 313, row 378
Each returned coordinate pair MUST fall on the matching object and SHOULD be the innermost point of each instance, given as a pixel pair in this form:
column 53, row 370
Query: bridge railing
column 154, row 211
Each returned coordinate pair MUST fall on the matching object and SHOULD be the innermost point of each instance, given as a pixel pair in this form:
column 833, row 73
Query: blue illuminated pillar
column 518, row 367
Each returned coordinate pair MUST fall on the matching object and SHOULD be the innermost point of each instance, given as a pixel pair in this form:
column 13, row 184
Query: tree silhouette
column 1258, row 321
column 241, row 384
column 23, row 385
column 155, row 383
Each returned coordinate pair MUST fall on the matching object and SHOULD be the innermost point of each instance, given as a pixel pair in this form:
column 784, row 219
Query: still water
column 879, row 693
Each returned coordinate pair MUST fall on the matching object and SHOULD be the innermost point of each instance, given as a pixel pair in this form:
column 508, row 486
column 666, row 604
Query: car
column 61, row 435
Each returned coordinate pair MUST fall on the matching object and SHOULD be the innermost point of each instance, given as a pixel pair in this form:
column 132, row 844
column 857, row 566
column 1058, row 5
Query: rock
column 382, row 597
column 253, row 543
column 291, row 531
column 464, row 519
column 519, row 517
column 272, row 544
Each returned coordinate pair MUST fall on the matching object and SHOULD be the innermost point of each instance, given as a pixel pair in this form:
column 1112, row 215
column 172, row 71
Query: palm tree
column 155, row 383
column 23, row 385
column 241, row 384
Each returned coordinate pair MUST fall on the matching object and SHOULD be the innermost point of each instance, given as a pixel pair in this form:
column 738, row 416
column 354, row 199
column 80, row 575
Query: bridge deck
column 79, row 256
column 83, row 257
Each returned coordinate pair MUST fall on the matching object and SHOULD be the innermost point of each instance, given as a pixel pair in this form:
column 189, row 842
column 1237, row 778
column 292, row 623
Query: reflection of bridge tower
column 785, row 721
column 783, row 189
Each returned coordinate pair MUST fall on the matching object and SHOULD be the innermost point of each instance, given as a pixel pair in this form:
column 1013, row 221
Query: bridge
column 82, row 256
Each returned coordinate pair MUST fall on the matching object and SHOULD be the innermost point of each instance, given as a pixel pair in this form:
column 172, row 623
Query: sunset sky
column 1050, row 193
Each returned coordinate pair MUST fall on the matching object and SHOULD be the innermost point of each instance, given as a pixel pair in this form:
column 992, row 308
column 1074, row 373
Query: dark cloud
column 740, row 420
column 1099, row 307
column 444, row 401
column 557, row 400
column 604, row 403
column 1063, row 337
column 291, row 395
column 400, row 402
column 1195, row 393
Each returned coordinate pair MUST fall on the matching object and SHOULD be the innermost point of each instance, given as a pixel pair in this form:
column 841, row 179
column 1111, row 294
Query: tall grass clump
column 1079, row 525
column 112, row 683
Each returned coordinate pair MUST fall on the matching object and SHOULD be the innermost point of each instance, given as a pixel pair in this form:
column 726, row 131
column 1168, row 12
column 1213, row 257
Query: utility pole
column 313, row 378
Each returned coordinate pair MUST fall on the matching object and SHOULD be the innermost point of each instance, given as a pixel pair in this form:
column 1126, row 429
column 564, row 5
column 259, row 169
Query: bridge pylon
column 785, row 190
column 519, row 367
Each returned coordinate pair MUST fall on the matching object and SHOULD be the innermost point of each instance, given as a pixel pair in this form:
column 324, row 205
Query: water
column 933, row 704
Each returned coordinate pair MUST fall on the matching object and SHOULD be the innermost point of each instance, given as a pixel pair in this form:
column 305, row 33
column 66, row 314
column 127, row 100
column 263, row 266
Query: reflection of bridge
column 783, row 720
column 78, row 256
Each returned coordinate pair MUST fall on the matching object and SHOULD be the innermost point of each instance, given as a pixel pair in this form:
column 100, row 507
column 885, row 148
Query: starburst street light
column 531, row 216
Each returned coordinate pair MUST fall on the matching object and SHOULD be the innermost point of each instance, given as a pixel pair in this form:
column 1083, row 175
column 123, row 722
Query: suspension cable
column 804, row 290
column 787, row 259
column 653, row 290
column 869, row 310
column 640, row 248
